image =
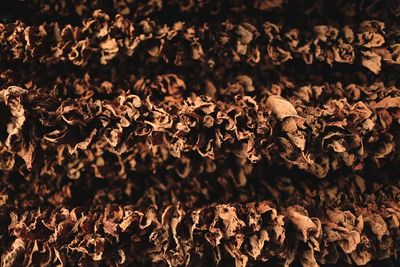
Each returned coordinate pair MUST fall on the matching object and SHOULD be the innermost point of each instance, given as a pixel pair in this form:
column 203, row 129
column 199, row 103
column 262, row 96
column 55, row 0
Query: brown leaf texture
column 200, row 133
column 164, row 237
column 102, row 39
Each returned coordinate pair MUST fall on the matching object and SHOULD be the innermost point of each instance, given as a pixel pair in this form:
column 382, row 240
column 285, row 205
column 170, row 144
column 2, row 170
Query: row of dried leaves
column 101, row 39
column 45, row 132
column 351, row 221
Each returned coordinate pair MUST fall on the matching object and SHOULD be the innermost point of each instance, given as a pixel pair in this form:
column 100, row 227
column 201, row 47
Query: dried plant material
column 141, row 10
column 290, row 128
column 178, row 126
column 102, row 38
column 372, row 61
column 17, row 249
column 199, row 133
column 11, row 97
column 281, row 107
column 256, row 230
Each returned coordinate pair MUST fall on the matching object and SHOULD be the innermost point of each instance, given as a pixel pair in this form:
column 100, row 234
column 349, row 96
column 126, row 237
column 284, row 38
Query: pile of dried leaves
column 227, row 134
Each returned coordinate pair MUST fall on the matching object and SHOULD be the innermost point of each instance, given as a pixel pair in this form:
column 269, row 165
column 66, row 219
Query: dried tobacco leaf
column 223, row 228
column 132, row 137
column 101, row 39
column 179, row 127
